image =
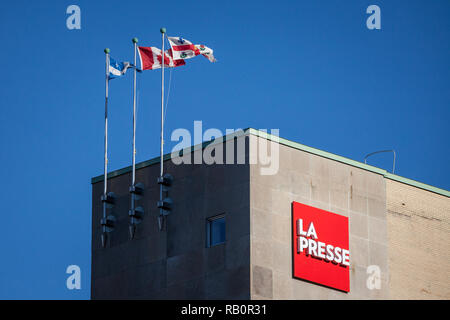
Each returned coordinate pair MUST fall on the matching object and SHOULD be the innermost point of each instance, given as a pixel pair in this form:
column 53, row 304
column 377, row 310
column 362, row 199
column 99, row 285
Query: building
column 234, row 233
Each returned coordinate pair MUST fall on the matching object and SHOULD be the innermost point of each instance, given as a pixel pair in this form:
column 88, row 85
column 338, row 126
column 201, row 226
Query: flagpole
column 133, row 175
column 105, row 180
column 106, row 122
column 161, row 173
column 135, row 40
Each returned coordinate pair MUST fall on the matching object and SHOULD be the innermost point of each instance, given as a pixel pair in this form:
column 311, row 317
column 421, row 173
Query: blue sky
column 310, row 68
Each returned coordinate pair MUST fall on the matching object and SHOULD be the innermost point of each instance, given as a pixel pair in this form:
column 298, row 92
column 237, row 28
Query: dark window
column 215, row 230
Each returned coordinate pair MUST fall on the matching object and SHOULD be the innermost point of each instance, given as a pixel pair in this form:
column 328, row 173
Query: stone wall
column 401, row 229
column 419, row 242
column 175, row 263
column 325, row 184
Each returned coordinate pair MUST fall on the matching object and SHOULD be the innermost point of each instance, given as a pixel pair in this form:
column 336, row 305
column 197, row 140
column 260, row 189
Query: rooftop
column 295, row 145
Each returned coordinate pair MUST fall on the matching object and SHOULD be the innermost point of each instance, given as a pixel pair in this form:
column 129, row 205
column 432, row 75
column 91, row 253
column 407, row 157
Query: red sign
column 320, row 247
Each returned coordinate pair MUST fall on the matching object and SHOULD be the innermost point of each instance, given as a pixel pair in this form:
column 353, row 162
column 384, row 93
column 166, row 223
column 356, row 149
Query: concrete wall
column 399, row 228
column 419, row 242
column 174, row 263
column 326, row 184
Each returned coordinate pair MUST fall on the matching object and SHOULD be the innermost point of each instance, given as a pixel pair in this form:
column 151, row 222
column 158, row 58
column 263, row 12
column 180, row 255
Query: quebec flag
column 117, row 69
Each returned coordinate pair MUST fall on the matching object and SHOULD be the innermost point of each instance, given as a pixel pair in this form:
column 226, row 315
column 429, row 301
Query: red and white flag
column 182, row 48
column 151, row 58
column 206, row 52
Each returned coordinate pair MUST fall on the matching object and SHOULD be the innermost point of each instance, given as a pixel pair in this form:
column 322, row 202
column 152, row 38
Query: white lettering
column 303, row 244
column 374, row 21
column 185, row 143
column 74, row 20
column 312, row 247
column 330, row 254
column 312, row 231
column 240, row 147
column 306, row 241
column 374, row 279
column 345, row 257
column 321, row 249
column 198, row 310
column 337, row 254
column 215, row 147
column 74, row 280
column 300, row 231
column 273, row 160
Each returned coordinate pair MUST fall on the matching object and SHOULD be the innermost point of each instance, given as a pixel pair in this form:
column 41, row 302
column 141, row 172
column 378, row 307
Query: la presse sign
column 320, row 247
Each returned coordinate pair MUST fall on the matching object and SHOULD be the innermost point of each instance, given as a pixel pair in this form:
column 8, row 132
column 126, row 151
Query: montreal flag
column 182, row 48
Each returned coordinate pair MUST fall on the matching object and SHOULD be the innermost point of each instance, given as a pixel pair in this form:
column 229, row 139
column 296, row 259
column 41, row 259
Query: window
column 215, row 230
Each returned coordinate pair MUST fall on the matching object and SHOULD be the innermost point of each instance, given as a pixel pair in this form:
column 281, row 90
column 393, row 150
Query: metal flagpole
column 134, row 116
column 106, row 121
column 161, row 173
column 105, row 180
column 133, row 175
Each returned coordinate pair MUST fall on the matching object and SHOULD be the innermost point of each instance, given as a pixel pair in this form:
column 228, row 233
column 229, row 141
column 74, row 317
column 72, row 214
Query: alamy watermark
column 74, row 280
column 73, row 21
column 264, row 152
column 374, row 279
column 374, row 20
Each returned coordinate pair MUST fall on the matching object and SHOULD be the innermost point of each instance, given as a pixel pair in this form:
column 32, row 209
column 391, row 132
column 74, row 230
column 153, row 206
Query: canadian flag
column 151, row 58
column 182, row 48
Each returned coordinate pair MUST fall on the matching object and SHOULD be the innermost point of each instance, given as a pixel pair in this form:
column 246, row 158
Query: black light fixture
column 136, row 214
column 108, row 220
column 165, row 204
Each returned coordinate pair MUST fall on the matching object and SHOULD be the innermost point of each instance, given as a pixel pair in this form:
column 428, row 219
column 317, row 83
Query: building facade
column 233, row 234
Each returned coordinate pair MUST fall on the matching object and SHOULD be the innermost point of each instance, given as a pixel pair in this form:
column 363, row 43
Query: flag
column 117, row 69
column 206, row 52
column 182, row 48
column 151, row 57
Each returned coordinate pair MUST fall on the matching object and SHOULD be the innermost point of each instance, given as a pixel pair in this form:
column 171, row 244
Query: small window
column 215, row 230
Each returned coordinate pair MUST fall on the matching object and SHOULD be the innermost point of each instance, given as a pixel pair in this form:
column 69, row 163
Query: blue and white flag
column 117, row 69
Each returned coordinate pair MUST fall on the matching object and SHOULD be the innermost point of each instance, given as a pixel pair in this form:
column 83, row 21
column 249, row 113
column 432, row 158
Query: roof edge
column 286, row 142
column 168, row 156
column 351, row 162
